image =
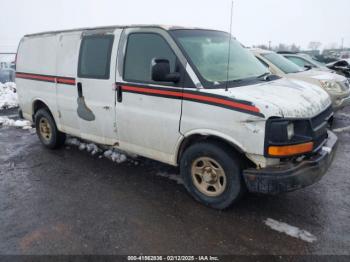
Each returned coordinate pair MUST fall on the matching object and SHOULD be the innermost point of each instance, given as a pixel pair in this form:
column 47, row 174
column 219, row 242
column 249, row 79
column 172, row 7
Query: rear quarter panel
column 36, row 55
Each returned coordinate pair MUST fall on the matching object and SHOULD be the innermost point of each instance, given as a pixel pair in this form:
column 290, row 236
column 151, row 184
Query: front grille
column 319, row 126
column 321, row 118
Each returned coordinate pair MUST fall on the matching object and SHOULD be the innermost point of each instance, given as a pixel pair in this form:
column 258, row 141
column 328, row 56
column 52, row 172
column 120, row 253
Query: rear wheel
column 47, row 131
column 212, row 174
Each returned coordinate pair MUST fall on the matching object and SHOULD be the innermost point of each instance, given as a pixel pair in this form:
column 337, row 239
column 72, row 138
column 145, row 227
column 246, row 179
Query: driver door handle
column 119, row 93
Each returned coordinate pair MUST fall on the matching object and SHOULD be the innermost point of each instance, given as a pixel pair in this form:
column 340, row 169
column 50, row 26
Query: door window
column 141, row 49
column 95, row 56
column 299, row 61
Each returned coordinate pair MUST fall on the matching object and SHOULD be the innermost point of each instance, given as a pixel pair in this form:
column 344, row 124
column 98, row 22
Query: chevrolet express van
column 169, row 94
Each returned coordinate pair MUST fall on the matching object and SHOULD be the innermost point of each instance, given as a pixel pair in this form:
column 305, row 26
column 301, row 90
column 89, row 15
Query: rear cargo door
column 95, row 86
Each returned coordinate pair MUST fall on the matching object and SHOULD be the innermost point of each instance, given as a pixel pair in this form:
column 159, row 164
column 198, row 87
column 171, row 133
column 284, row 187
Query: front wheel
column 47, row 131
column 212, row 174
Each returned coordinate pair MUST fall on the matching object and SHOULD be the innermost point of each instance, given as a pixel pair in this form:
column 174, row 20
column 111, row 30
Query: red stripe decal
column 54, row 79
column 66, row 81
column 152, row 91
column 203, row 98
column 222, row 101
column 36, row 77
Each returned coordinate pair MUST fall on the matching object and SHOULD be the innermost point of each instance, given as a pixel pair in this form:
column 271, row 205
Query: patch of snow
column 93, row 149
column 115, row 156
column 82, row 146
column 341, row 129
column 72, row 141
column 8, row 95
column 177, row 178
column 24, row 124
column 290, row 230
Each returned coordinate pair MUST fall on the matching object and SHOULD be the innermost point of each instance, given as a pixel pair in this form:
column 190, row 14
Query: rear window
column 95, row 57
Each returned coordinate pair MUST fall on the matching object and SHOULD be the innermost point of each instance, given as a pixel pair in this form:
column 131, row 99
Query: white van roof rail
column 165, row 27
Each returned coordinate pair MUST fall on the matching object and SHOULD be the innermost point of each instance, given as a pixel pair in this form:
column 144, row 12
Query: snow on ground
column 290, row 230
column 8, row 95
column 114, row 155
column 93, row 149
column 24, row 124
column 342, row 129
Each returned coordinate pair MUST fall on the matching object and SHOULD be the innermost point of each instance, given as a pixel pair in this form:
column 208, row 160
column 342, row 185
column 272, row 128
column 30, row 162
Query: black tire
column 56, row 138
column 229, row 162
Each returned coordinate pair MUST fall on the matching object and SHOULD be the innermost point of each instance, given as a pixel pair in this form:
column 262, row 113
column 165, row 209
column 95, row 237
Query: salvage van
column 169, row 94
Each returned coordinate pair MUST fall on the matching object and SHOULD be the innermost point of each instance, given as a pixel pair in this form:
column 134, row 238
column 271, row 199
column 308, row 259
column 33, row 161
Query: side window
column 141, row 49
column 298, row 61
column 95, row 56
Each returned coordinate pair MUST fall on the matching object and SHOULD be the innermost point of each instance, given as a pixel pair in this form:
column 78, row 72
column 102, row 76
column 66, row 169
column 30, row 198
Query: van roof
column 165, row 27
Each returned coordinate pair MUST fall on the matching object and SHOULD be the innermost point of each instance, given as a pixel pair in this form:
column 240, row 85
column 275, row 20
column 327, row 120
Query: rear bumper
column 292, row 176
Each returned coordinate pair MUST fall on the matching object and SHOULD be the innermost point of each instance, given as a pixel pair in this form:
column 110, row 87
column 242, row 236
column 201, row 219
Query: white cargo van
column 168, row 93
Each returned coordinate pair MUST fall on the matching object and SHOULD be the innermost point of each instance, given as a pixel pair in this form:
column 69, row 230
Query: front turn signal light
column 290, row 150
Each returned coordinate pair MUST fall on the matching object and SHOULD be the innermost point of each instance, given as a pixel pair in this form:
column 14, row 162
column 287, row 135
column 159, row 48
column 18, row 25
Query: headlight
column 330, row 86
column 290, row 131
column 281, row 131
column 287, row 137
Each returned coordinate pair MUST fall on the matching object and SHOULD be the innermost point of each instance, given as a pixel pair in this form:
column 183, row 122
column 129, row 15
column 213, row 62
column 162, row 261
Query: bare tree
column 332, row 46
column 261, row 46
column 282, row 47
column 314, row 45
column 294, row 48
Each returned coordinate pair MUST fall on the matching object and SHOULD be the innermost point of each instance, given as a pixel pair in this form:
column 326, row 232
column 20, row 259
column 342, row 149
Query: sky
column 254, row 21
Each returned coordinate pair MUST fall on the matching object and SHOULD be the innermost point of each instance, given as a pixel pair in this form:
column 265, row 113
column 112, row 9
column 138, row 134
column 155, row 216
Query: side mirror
column 307, row 67
column 161, row 71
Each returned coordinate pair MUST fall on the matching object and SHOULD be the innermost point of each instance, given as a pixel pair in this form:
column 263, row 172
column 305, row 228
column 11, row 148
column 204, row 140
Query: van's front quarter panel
column 245, row 131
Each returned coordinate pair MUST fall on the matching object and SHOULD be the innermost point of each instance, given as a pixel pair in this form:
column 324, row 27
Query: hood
column 320, row 75
column 341, row 63
column 283, row 98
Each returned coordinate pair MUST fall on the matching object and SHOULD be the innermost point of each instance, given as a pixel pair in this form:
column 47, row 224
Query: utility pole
column 269, row 45
column 342, row 44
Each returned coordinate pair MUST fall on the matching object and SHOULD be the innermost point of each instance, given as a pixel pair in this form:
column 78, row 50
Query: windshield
column 283, row 63
column 314, row 61
column 208, row 52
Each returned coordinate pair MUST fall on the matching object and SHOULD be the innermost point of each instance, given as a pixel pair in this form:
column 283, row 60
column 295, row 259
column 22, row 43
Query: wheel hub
column 45, row 129
column 208, row 176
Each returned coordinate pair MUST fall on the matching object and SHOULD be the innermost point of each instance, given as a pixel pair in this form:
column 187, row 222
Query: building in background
column 7, row 60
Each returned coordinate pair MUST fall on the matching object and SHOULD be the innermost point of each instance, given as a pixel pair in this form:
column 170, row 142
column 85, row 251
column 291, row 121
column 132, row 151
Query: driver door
column 148, row 112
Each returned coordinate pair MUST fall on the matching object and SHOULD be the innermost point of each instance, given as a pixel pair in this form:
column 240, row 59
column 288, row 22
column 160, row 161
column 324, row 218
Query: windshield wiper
column 264, row 76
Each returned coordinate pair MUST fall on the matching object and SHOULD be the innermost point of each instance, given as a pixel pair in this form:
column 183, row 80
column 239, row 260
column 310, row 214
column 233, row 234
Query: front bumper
column 292, row 176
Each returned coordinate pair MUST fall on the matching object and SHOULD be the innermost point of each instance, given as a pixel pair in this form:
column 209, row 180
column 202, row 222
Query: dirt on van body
column 69, row 202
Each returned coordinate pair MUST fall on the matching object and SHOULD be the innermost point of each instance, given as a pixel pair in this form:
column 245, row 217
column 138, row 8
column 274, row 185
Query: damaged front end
column 292, row 175
column 303, row 149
